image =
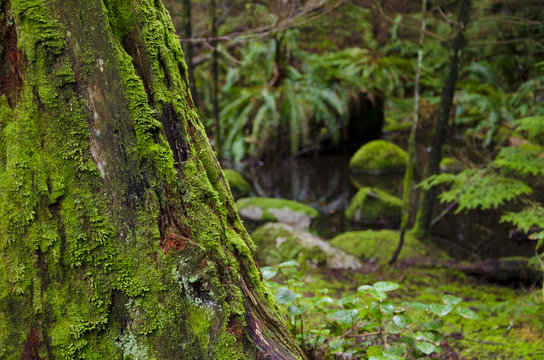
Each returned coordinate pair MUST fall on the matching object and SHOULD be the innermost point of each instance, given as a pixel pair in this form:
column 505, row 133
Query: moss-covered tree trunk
column 118, row 233
column 422, row 226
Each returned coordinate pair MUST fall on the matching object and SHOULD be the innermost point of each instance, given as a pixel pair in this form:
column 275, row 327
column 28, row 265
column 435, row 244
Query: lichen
column 82, row 222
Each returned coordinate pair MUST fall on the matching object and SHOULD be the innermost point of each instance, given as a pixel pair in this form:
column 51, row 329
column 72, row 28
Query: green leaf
column 387, row 308
column 345, row 317
column 440, row 310
column 476, row 188
column 268, row 272
column 428, row 348
column 294, row 310
column 375, row 311
column 527, row 218
column 379, row 295
column 451, row 300
column 386, row 286
column 285, row 295
column 425, row 335
column 290, row 263
column 402, row 321
column 466, row 313
column 325, row 300
column 534, row 125
column 416, row 305
column 363, row 289
column 526, row 159
column 434, row 325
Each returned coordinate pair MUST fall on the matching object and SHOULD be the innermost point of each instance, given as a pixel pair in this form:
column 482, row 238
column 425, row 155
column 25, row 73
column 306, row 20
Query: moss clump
column 371, row 205
column 450, row 165
column 280, row 210
column 277, row 243
column 238, row 185
column 380, row 245
column 379, row 157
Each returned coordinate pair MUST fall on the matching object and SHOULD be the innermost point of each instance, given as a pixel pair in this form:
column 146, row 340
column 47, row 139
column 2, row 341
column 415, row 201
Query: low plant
column 365, row 325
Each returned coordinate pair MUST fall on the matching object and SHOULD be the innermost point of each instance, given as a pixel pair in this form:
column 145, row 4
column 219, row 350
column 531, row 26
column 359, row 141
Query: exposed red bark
column 12, row 60
column 31, row 347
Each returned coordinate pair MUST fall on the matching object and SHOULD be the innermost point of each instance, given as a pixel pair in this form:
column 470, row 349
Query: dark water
column 326, row 184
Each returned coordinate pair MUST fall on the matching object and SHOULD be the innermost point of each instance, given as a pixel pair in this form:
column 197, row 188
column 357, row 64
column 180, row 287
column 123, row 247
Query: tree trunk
column 407, row 183
column 422, row 226
column 118, row 233
column 215, row 78
column 188, row 33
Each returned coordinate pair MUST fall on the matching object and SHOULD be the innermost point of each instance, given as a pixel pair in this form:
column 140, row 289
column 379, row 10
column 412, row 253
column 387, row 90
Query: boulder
column 238, row 185
column 377, row 246
column 276, row 210
column 372, row 205
column 379, row 157
column 277, row 243
column 450, row 165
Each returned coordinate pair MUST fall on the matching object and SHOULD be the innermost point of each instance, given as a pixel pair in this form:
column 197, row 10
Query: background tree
column 118, row 233
column 422, row 226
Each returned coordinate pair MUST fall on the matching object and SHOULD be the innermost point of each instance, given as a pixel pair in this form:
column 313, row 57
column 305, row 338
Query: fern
column 533, row 125
column 526, row 159
column 478, row 188
column 527, row 218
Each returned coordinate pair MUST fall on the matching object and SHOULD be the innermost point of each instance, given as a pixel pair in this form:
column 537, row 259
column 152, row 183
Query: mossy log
column 119, row 238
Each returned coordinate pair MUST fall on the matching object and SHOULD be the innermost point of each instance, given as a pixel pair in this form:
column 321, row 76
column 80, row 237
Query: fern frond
column 527, row 218
column 526, row 159
column 478, row 188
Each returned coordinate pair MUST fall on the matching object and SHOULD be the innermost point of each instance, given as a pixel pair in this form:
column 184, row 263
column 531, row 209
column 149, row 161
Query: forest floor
column 511, row 320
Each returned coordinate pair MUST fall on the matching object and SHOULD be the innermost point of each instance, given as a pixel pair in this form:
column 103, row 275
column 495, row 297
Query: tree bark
column 215, row 78
column 411, row 161
column 422, row 226
column 118, row 233
column 189, row 53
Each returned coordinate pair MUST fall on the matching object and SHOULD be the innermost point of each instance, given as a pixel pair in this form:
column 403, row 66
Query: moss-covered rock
column 238, row 185
column 372, row 205
column 277, row 243
column 276, row 210
column 379, row 157
column 450, row 165
column 378, row 246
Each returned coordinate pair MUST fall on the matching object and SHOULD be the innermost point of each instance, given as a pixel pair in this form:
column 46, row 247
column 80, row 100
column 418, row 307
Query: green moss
column 79, row 237
column 267, row 204
column 270, row 251
column 449, row 164
column 372, row 205
column 379, row 157
column 380, row 245
column 238, row 185
column 121, row 17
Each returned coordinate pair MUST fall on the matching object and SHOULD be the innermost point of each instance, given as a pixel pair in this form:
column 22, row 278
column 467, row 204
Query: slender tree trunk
column 189, row 53
column 118, row 235
column 423, row 219
column 411, row 161
column 215, row 78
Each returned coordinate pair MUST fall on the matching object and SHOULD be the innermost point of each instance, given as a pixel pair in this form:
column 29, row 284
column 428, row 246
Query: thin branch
column 507, row 41
column 301, row 17
column 411, row 27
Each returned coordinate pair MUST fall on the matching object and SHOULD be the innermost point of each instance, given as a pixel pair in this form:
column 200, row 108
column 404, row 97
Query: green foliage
column 364, row 325
column 484, row 102
column 379, row 157
column 473, row 188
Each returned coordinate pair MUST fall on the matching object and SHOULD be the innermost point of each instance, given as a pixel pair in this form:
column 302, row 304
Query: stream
column 326, row 184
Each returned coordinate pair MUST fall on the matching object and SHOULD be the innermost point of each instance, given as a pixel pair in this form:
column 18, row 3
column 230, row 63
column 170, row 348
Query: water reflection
column 326, row 184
